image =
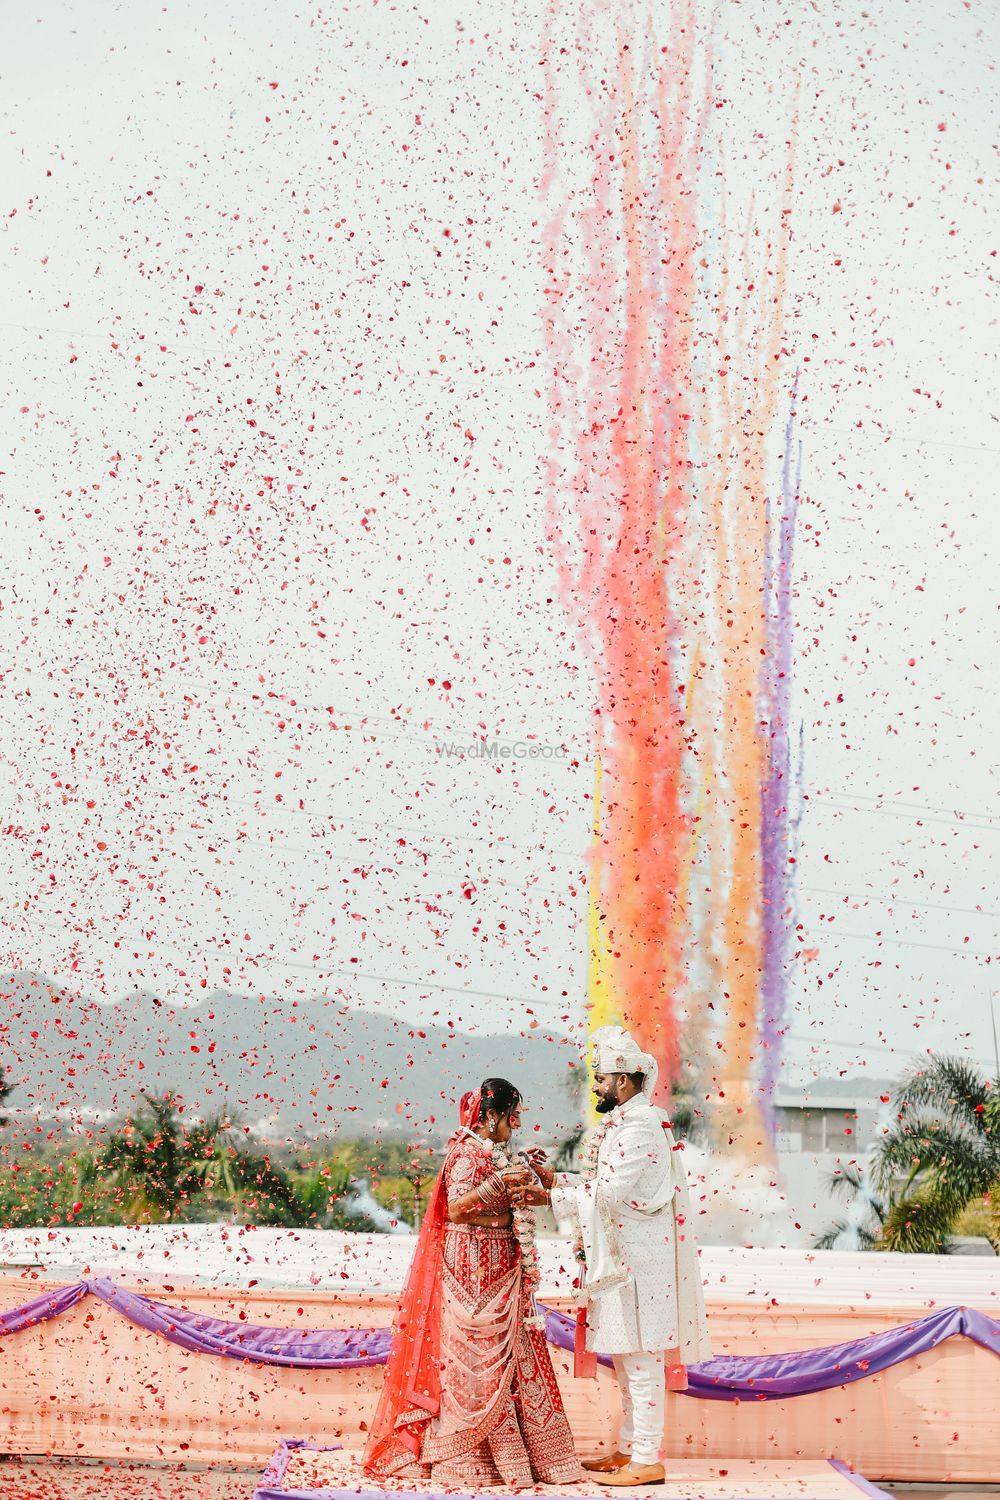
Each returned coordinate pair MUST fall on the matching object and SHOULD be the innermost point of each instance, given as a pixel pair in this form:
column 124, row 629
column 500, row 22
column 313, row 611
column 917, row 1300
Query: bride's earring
column 491, row 1129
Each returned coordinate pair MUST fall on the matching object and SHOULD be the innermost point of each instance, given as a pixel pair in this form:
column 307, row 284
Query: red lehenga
column 470, row 1395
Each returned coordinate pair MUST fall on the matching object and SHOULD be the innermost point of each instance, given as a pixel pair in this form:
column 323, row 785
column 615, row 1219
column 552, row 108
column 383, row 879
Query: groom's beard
column 605, row 1106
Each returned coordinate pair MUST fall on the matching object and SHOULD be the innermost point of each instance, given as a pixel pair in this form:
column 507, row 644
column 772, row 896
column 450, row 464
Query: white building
column 820, row 1130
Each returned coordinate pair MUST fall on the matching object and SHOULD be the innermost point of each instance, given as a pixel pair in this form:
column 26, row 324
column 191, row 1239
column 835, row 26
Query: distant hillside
column 299, row 1066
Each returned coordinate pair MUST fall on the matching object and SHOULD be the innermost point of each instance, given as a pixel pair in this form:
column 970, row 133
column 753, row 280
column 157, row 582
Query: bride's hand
column 530, row 1196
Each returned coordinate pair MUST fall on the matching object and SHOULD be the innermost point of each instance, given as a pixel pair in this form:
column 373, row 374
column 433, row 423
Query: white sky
column 344, row 553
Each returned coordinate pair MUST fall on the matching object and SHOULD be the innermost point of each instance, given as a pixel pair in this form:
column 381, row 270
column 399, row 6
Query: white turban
column 615, row 1051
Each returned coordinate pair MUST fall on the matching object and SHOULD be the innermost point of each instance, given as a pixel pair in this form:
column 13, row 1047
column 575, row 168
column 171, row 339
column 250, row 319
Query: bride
column 470, row 1395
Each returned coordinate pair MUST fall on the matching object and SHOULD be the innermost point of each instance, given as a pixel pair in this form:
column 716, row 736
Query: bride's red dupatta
column 411, row 1393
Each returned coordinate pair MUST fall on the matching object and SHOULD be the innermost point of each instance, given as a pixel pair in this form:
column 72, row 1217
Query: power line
column 826, row 793
column 382, row 825
column 453, row 989
column 115, row 335
column 972, row 911
column 494, row 879
column 963, row 821
column 528, row 1001
column 864, row 937
column 449, row 874
column 424, row 832
column 819, row 1040
column 486, row 879
column 151, row 339
column 351, row 973
column 319, row 715
column 123, row 335
column 905, row 441
column 856, row 801
column 491, row 879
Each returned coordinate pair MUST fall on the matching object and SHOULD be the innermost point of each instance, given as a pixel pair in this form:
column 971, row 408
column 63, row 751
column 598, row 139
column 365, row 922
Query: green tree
column 685, row 1117
column 163, row 1169
column 942, row 1155
column 849, row 1182
column 573, row 1084
column 397, row 1172
column 322, row 1192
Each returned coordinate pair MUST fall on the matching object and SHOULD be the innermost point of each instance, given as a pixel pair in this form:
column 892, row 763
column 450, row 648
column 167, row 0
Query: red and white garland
column 591, row 1151
column 525, row 1227
column 588, row 1171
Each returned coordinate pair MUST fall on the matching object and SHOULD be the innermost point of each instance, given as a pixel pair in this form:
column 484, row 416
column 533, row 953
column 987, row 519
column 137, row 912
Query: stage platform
column 91, row 1383
column 307, row 1473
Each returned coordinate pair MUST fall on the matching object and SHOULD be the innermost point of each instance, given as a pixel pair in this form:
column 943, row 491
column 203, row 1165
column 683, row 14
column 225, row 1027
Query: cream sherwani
column 643, row 1282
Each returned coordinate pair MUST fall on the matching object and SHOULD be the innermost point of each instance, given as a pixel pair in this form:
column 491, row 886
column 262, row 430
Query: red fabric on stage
column 677, row 1374
column 411, row 1393
column 584, row 1359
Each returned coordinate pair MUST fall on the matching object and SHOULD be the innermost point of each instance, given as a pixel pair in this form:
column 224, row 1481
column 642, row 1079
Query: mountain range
column 299, row 1068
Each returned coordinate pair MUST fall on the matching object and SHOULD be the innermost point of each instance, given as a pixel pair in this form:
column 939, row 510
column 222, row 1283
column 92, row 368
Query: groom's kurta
column 643, row 1281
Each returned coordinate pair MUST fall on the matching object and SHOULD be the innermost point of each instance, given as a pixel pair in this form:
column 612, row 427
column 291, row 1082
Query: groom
column 641, row 1281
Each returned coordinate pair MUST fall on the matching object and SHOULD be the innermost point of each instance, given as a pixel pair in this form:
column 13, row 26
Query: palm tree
column 165, row 1169
column 848, row 1182
column 685, row 1119
column 573, row 1084
column 942, row 1154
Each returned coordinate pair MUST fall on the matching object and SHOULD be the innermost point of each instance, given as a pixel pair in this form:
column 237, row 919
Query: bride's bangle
column 493, row 1194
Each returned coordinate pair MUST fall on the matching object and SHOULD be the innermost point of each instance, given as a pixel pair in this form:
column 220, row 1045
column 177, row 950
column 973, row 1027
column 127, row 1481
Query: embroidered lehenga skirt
column 501, row 1419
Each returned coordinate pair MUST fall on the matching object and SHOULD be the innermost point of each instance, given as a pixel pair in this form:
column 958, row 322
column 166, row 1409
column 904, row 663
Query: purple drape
column 317, row 1348
column 48, row 1305
column 270, row 1481
column 766, row 1377
column 772, row 1376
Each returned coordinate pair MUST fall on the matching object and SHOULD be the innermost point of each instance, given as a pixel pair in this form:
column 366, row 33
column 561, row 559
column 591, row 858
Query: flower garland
column 591, row 1151
column 525, row 1226
column 588, row 1171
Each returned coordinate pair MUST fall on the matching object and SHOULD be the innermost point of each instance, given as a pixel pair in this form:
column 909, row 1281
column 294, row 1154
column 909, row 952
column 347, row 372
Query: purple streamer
column 778, row 829
column 768, row 1377
column 773, row 1377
